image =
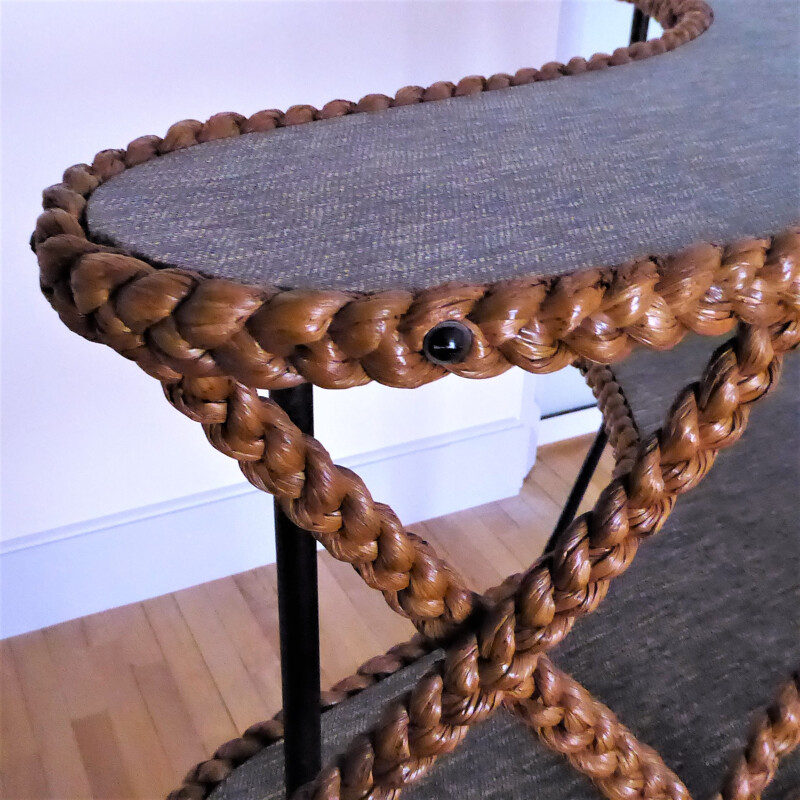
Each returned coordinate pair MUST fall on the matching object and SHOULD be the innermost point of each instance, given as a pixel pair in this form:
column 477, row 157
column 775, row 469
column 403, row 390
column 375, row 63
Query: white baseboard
column 568, row 425
column 76, row 570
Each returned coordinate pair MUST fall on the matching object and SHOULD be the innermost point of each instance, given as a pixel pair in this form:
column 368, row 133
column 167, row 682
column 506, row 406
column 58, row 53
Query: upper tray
column 698, row 144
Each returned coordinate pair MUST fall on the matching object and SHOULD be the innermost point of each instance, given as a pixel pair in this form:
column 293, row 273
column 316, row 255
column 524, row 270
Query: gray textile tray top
column 700, row 144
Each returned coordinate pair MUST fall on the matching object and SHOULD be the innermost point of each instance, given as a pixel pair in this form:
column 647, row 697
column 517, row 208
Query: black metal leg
column 298, row 612
column 579, row 488
column 639, row 26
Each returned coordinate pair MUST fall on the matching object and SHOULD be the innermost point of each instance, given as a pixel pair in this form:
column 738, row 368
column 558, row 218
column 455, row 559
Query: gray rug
column 688, row 645
column 702, row 143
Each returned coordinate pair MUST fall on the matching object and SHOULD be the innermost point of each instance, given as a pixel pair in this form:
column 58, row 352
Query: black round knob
column 447, row 343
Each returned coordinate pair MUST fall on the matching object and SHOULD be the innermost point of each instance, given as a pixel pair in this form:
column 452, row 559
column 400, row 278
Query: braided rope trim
column 497, row 659
column 557, row 712
column 174, row 323
column 623, row 434
column 334, row 504
column 178, row 322
column 204, row 777
column 567, row 719
column 595, row 743
column 571, row 722
column 561, row 711
column 776, row 732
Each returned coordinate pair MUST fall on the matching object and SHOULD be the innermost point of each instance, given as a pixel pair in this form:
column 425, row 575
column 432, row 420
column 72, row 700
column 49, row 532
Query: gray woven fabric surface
column 498, row 761
column 691, row 641
column 700, row 144
column 261, row 778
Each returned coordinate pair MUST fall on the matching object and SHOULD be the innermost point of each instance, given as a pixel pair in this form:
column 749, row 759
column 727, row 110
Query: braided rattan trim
column 567, row 719
column 496, row 660
column 564, row 715
column 776, row 732
column 571, row 722
column 623, row 435
column 177, row 322
column 203, row 778
column 334, row 504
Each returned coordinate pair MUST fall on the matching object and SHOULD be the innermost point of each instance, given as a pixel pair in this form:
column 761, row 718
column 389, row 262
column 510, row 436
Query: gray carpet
column 702, row 143
column 689, row 643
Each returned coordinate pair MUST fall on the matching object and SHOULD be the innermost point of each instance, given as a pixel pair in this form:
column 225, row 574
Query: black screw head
column 447, row 343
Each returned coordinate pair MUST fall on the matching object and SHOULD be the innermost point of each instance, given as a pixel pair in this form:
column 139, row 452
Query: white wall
column 108, row 494
column 87, row 434
column 596, row 26
column 89, row 446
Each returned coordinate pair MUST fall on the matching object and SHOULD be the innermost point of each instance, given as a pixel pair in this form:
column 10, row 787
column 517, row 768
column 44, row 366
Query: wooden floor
column 122, row 703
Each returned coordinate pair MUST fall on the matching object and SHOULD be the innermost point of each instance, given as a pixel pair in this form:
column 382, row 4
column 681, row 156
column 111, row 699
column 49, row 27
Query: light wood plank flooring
column 122, row 703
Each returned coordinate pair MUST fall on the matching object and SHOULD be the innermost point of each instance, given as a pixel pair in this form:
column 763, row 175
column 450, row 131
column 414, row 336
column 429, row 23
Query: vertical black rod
column 639, row 26
column 579, row 488
column 298, row 613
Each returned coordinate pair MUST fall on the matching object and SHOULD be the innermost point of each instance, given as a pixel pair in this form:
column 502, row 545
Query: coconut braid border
column 205, row 776
column 496, row 659
column 775, row 733
column 178, row 322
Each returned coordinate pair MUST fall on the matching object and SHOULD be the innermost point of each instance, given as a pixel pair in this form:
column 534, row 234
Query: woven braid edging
column 776, row 732
column 570, row 721
column 543, row 713
column 178, row 322
column 175, row 323
column 333, row 502
column 216, row 417
column 557, row 712
column 618, row 421
column 205, row 776
column 498, row 659
column 105, row 322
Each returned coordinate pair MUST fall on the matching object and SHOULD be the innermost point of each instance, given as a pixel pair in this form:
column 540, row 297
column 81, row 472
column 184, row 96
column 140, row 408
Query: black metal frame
column 578, row 490
column 298, row 615
column 639, row 26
